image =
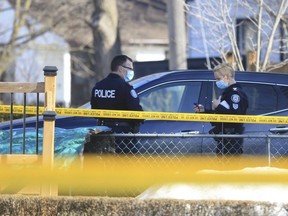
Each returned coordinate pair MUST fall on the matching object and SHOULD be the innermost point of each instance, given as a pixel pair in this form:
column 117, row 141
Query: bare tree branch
column 259, row 34
column 282, row 9
column 258, row 30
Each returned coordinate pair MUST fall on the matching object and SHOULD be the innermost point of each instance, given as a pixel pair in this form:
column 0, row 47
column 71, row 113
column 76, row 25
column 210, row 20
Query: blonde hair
column 224, row 69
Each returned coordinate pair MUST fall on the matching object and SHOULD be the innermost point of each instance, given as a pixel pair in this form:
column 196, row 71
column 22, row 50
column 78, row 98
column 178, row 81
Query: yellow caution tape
column 169, row 116
column 96, row 174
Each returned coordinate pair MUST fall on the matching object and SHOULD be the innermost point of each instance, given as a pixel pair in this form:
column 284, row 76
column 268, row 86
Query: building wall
column 47, row 49
column 147, row 50
column 29, row 68
column 207, row 39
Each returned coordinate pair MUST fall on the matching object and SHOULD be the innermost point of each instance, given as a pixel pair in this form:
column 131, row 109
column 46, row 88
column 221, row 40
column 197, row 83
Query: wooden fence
column 48, row 87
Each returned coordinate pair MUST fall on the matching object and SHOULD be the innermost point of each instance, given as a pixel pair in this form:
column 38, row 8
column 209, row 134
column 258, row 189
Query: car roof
column 265, row 77
column 241, row 76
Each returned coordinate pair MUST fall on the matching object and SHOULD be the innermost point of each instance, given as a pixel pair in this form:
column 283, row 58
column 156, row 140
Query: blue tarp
column 67, row 141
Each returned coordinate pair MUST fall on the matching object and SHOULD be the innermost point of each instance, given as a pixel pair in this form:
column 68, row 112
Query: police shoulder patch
column 133, row 93
column 235, row 98
column 235, row 106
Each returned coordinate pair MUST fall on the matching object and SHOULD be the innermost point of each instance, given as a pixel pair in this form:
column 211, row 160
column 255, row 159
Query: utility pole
column 177, row 34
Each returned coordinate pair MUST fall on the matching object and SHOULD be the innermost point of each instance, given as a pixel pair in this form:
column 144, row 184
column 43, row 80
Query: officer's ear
column 121, row 69
column 226, row 77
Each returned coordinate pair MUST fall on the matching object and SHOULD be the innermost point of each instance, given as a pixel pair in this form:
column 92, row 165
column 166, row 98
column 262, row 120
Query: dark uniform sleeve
column 233, row 102
column 132, row 99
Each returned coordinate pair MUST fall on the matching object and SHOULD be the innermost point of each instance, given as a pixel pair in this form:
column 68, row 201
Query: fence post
column 269, row 150
column 50, row 73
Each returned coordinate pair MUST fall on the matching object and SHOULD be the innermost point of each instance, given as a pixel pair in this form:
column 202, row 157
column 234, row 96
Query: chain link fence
column 181, row 154
column 273, row 147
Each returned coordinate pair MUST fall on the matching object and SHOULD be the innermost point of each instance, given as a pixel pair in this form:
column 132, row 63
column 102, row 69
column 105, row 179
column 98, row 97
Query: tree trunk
column 106, row 37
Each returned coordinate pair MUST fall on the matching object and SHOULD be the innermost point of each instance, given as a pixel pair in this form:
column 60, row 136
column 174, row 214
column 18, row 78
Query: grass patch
column 6, row 116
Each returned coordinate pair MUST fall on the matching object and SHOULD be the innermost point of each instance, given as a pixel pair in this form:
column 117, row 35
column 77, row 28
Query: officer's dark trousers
column 229, row 146
column 124, row 144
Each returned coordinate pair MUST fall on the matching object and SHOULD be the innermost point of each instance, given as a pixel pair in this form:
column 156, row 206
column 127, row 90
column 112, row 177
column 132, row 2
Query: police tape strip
column 168, row 116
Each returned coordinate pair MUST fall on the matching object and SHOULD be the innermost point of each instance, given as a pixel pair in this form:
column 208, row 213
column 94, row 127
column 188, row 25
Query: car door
column 264, row 99
column 173, row 96
column 268, row 100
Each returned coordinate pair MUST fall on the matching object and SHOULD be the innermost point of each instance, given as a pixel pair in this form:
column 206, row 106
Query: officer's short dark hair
column 119, row 60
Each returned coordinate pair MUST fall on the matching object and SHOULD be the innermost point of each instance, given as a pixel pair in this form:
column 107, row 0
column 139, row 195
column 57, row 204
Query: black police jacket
column 115, row 93
column 234, row 101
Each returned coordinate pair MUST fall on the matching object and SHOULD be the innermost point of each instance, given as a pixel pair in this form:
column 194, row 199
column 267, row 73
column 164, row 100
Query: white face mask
column 129, row 75
column 221, row 84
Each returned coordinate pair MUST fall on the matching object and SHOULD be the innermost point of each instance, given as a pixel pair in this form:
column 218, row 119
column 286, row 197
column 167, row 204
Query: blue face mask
column 221, row 84
column 129, row 75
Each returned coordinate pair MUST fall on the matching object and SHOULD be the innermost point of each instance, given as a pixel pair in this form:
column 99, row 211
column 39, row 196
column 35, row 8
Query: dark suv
column 178, row 91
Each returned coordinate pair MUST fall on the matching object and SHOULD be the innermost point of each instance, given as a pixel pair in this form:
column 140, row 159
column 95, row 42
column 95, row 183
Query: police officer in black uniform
column 115, row 93
column 232, row 101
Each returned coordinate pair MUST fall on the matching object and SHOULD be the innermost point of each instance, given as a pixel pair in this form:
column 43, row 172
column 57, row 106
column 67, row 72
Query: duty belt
column 113, row 123
column 238, row 130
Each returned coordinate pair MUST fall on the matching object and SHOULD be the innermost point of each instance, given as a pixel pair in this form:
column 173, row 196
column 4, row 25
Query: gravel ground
column 35, row 205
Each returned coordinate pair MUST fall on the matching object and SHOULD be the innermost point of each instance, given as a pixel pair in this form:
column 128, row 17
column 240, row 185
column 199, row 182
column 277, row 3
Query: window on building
column 246, row 35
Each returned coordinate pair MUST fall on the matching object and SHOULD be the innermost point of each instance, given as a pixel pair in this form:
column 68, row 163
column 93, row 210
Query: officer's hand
column 198, row 108
column 216, row 102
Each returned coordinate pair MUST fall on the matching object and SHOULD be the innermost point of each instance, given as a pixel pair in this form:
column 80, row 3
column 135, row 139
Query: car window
column 283, row 97
column 262, row 98
column 172, row 97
